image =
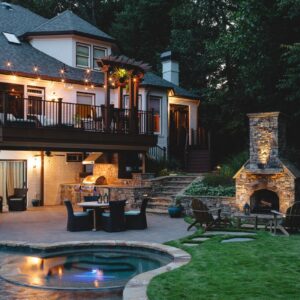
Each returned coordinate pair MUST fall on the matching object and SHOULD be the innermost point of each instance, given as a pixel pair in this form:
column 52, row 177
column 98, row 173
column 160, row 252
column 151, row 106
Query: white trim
column 89, row 57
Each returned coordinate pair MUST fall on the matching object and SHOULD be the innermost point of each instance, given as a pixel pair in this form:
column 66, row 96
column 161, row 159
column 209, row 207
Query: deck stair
column 165, row 189
column 198, row 160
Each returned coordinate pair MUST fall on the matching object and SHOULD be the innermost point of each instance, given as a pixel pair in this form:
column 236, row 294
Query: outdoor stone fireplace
column 267, row 181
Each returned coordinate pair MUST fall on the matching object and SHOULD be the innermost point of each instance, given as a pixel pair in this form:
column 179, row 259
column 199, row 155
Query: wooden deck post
column 131, row 106
column 59, row 119
column 107, row 99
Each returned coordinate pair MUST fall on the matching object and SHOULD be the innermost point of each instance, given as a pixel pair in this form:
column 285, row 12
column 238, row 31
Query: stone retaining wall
column 227, row 204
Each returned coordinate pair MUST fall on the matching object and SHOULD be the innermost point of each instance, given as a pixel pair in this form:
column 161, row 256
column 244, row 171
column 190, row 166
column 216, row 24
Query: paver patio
column 48, row 224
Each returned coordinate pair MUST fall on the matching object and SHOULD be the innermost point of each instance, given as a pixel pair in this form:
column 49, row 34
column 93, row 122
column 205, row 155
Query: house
column 62, row 100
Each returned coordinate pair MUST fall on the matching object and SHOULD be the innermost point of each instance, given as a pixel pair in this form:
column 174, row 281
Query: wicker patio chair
column 136, row 219
column 18, row 201
column 114, row 220
column 78, row 221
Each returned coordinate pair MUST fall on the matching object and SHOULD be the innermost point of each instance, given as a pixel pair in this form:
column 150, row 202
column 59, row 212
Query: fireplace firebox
column 263, row 201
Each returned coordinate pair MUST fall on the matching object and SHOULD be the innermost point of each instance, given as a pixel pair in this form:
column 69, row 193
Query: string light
column 35, row 69
column 92, row 86
column 88, row 71
column 8, row 64
column 62, row 80
column 62, row 71
column 86, row 80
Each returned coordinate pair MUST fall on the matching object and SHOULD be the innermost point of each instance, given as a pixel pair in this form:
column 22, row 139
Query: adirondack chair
column 290, row 220
column 203, row 216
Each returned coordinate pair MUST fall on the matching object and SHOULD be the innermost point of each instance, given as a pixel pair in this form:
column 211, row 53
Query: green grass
column 267, row 268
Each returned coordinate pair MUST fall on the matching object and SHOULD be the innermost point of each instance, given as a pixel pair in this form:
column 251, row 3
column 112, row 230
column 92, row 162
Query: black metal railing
column 158, row 153
column 36, row 113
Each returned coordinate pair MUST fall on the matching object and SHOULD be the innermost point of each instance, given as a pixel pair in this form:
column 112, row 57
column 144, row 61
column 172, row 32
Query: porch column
column 107, row 98
column 137, row 122
column 143, row 162
column 120, row 95
column 42, row 177
column 131, row 106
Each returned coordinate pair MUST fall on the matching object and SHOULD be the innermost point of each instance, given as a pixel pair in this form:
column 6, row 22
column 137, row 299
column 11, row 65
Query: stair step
column 157, row 211
column 158, row 205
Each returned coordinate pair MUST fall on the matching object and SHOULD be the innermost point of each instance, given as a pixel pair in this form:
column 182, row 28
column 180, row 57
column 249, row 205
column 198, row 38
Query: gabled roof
column 24, row 58
column 17, row 19
column 150, row 79
column 69, row 23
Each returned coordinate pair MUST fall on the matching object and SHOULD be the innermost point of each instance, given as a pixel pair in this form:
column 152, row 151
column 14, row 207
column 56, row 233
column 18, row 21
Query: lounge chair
column 290, row 221
column 204, row 216
column 136, row 219
column 78, row 221
column 18, row 201
column 114, row 220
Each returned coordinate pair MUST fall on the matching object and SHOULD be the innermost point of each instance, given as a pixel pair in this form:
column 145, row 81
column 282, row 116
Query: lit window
column 97, row 54
column 84, row 107
column 155, row 106
column 82, row 56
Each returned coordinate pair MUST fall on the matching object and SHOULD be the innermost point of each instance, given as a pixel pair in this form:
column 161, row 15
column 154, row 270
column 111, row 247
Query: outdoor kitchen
column 105, row 179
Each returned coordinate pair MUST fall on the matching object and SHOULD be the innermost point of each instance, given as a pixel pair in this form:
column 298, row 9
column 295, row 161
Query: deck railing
column 35, row 113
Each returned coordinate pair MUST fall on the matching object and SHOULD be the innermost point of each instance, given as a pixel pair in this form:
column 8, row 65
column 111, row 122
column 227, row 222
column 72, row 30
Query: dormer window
column 97, row 54
column 83, row 53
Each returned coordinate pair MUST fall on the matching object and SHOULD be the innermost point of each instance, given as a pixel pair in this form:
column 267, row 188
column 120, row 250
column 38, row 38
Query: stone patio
column 48, row 225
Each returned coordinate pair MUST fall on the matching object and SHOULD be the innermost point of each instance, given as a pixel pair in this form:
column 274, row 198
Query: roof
column 18, row 19
column 69, row 23
column 24, row 58
column 151, row 79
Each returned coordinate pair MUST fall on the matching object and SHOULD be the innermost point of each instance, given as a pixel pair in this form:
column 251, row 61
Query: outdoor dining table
column 97, row 207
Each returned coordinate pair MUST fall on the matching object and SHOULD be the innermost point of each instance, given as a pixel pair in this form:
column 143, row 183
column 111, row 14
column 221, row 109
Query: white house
column 54, row 107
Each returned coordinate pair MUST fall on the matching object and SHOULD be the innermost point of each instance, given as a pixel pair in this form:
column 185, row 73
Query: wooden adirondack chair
column 203, row 216
column 290, row 220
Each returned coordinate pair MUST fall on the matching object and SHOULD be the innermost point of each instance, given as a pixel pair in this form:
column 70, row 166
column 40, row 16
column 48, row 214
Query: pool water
column 106, row 269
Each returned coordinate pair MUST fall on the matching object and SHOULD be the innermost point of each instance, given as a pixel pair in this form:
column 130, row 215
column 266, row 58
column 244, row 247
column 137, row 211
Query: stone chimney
column 267, row 140
column 170, row 67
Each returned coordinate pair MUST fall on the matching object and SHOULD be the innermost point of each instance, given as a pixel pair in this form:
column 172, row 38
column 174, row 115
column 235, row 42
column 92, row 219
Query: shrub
column 162, row 167
column 201, row 189
column 217, row 180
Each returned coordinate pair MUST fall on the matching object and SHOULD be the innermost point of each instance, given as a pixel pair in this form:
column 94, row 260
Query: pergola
column 119, row 72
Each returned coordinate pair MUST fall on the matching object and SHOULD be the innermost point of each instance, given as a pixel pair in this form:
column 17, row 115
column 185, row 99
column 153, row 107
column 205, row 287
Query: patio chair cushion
column 132, row 212
column 16, row 199
column 81, row 214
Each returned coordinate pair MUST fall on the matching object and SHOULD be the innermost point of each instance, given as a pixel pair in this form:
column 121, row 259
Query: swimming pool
column 87, row 270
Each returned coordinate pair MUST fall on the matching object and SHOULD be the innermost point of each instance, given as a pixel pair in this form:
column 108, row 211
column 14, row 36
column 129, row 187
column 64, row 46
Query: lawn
column 267, row 268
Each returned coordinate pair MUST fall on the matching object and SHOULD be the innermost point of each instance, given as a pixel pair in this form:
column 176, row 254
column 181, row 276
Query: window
column 155, row 105
column 82, row 56
column 126, row 102
column 84, row 108
column 97, row 54
column 35, row 95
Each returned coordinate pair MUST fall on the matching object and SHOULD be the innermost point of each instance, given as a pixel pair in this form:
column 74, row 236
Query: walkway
column 48, row 224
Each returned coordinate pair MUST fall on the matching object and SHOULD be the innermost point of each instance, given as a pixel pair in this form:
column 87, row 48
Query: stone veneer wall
column 227, row 204
column 133, row 194
column 283, row 184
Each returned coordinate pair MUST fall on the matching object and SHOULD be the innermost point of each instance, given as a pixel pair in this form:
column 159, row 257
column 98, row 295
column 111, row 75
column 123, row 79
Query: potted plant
column 176, row 209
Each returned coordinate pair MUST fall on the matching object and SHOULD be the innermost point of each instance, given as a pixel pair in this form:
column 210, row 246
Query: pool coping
column 136, row 287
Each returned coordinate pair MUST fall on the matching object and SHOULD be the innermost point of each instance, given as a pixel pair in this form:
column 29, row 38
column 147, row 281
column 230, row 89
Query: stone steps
column 165, row 194
column 157, row 211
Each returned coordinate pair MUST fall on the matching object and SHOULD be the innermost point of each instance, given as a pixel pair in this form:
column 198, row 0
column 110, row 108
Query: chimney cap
column 169, row 55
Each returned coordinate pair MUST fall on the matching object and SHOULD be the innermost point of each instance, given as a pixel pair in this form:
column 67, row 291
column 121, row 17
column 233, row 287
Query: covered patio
column 48, row 225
